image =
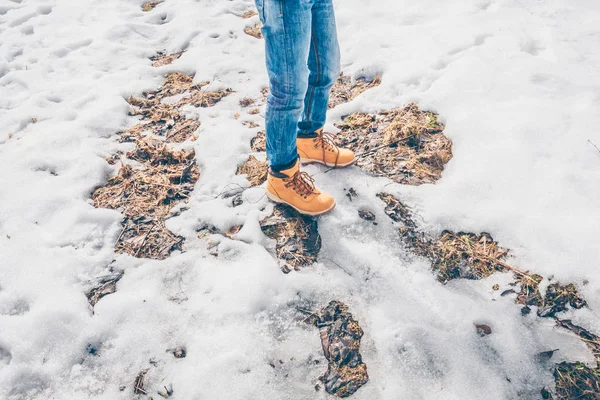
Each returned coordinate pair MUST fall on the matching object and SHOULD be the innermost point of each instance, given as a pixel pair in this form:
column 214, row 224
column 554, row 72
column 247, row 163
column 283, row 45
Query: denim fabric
column 303, row 62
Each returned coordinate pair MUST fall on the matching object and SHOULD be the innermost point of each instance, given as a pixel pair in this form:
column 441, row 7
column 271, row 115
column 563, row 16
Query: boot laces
column 302, row 183
column 327, row 141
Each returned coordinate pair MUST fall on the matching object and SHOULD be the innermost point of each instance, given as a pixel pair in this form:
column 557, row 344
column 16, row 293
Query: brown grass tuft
column 577, row 381
column 162, row 59
column 249, row 14
column 166, row 178
column 255, row 170
column 149, row 5
column 345, row 89
column 259, row 142
column 147, row 238
column 297, row 236
column 158, row 177
column 254, row 30
column 247, row 102
column 406, row 145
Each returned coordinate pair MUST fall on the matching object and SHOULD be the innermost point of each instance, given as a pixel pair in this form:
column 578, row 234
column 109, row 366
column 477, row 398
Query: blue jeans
column 303, row 62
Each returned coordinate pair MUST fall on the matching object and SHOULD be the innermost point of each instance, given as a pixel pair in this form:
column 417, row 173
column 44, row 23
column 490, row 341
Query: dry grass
column 346, row 89
column 250, row 124
column 471, row 256
column 576, row 381
column 297, row 236
column 146, row 195
column 249, row 14
column 157, row 177
column 254, row 30
column 149, row 5
column 255, row 170
column 166, row 178
column 555, row 300
column 138, row 384
column 105, row 286
column 247, row 102
column 406, row 145
column 465, row 255
column 162, row 59
column 259, row 142
column 340, row 339
column 147, row 238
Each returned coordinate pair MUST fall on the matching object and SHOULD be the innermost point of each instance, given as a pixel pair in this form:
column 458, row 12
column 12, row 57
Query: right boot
column 297, row 190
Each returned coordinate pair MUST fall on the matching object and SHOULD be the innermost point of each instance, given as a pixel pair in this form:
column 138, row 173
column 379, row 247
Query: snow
column 515, row 82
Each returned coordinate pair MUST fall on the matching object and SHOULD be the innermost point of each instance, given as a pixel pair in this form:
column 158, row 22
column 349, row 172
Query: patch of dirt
column 256, row 171
column 254, row 30
column 259, row 142
column 346, row 89
column 149, row 5
column 406, row 145
column 161, row 58
column 297, row 236
column 340, row 338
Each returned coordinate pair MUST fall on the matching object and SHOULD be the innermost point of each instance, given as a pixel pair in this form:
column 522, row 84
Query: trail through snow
column 517, row 84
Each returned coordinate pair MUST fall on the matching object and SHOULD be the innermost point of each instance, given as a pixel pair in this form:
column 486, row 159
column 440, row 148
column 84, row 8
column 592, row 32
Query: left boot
column 321, row 148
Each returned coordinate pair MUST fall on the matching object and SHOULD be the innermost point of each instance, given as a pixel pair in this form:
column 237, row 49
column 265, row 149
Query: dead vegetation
column 247, row 102
column 256, row 171
column 163, row 117
column 138, row 384
column 340, row 338
column 155, row 177
column 555, row 300
column 254, row 30
column 249, row 14
column 161, row 58
column 347, row 89
column 471, row 256
column 106, row 285
column 577, row 380
column 297, row 236
column 149, row 5
column 259, row 142
column 406, row 145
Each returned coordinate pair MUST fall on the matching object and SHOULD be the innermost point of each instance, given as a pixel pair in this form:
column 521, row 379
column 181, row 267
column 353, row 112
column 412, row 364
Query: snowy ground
column 517, row 83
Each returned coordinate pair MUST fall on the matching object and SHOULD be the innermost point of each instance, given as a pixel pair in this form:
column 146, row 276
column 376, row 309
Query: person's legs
column 324, row 66
column 287, row 32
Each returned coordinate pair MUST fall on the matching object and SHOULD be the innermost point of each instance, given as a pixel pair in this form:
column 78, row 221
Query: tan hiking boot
column 297, row 190
column 322, row 149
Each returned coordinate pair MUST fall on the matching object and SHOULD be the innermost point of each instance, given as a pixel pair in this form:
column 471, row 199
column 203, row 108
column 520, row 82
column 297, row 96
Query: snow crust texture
column 516, row 85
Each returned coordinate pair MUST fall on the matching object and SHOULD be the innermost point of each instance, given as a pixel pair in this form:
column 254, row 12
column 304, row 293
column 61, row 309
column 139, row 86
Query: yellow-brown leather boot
column 322, row 149
column 297, row 190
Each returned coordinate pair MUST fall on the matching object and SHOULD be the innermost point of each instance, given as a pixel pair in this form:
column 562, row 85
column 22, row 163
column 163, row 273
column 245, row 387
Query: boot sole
column 276, row 199
column 305, row 161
